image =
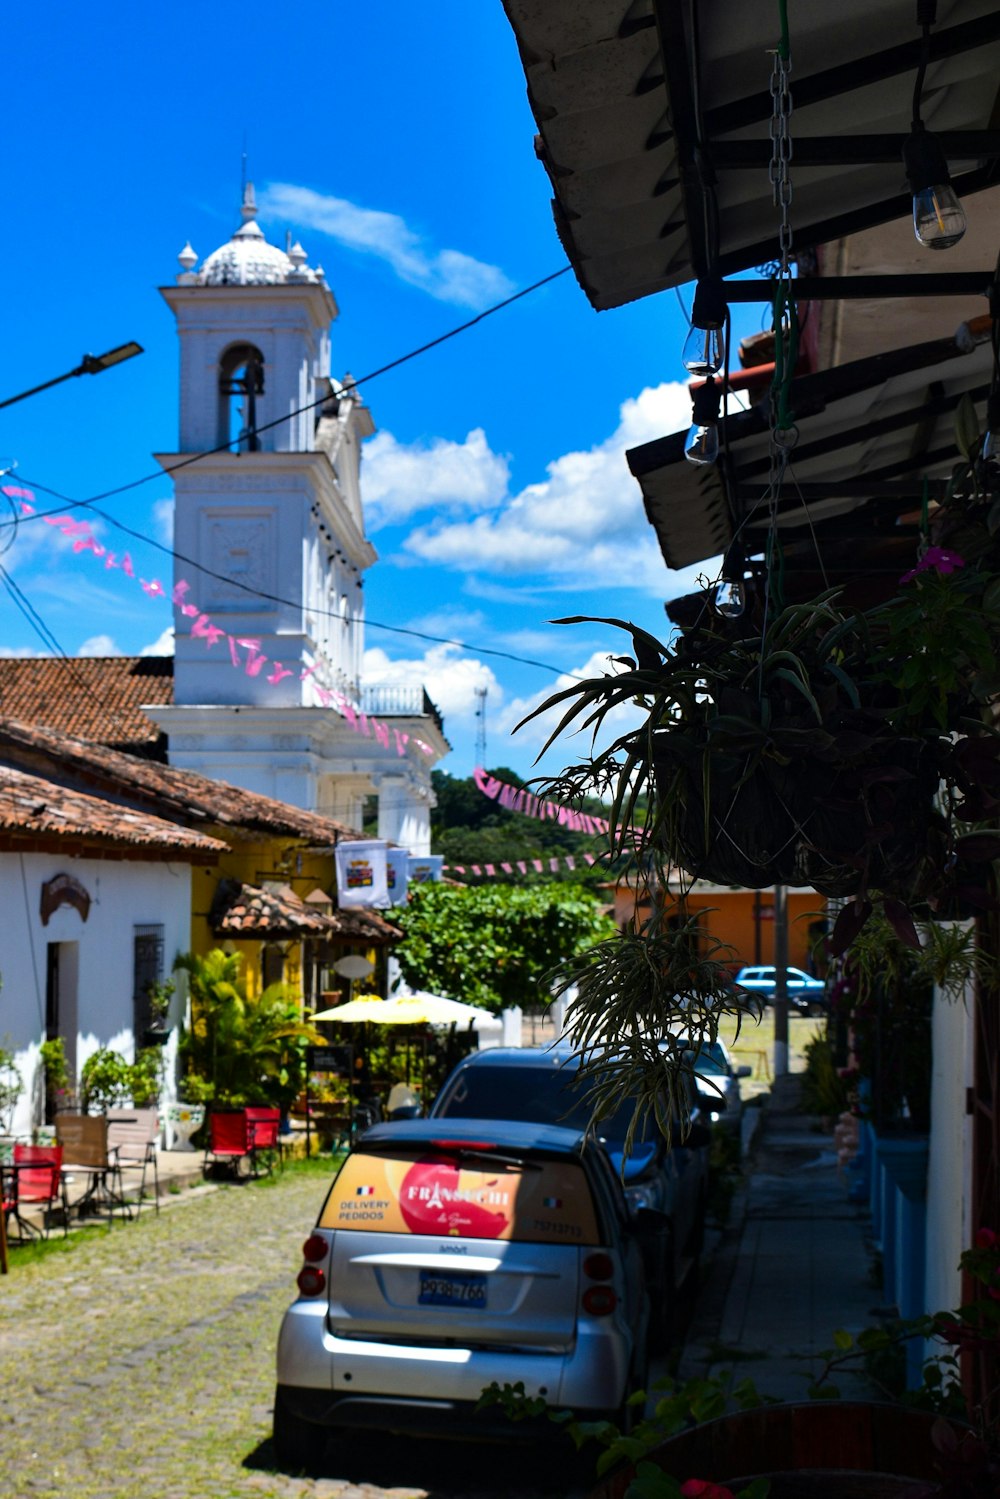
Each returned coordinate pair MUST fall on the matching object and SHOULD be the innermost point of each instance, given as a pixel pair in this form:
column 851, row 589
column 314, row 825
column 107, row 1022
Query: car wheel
column 817, row 1008
column 299, row 1445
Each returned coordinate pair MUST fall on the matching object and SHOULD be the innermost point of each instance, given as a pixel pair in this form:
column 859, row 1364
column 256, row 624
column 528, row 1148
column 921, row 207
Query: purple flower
column 935, row 559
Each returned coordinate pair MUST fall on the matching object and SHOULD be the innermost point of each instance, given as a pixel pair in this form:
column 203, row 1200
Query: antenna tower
column 481, row 694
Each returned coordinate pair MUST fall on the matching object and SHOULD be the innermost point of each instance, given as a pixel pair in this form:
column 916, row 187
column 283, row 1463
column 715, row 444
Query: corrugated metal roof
column 637, row 111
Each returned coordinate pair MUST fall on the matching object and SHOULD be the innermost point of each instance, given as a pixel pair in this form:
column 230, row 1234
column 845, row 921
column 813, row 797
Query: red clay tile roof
column 364, row 926
column 248, row 911
column 36, row 812
column 92, row 697
column 181, row 794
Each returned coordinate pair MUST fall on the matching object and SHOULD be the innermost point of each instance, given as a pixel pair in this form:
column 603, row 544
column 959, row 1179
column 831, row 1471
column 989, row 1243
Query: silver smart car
column 453, row 1253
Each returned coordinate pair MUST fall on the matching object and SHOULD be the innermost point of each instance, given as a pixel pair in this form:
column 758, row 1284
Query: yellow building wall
column 254, row 863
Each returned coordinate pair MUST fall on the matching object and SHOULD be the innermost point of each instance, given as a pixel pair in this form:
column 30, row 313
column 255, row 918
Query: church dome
column 248, row 260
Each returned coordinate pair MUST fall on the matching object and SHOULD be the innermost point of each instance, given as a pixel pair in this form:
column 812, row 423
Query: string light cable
column 277, row 598
column 344, row 389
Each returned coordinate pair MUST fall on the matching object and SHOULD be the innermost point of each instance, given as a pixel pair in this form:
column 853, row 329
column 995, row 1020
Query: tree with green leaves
column 250, row 1049
column 493, row 945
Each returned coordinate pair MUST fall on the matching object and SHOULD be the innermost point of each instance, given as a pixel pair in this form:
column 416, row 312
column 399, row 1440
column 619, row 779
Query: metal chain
column 783, row 431
column 779, row 170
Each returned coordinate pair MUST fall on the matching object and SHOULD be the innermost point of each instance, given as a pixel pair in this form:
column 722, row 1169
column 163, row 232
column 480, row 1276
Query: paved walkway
column 792, row 1266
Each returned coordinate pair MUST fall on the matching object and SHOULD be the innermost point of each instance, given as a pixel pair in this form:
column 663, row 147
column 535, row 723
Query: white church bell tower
column 269, row 630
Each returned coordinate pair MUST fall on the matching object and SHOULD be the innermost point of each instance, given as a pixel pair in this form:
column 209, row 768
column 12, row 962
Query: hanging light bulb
column 730, row 596
column 938, row 216
column 702, row 445
column 704, row 350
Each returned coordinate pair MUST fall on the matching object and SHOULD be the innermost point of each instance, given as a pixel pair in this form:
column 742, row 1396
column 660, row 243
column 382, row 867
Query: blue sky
column 396, row 142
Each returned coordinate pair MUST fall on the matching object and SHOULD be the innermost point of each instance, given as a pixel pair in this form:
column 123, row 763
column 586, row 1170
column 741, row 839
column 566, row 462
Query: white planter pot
column 182, row 1120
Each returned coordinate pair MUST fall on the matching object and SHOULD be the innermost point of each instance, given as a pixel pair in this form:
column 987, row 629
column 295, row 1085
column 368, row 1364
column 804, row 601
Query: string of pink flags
column 245, row 652
column 516, row 799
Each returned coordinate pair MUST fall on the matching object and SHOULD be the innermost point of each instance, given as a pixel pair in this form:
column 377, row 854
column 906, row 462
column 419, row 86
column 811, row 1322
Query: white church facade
column 268, row 503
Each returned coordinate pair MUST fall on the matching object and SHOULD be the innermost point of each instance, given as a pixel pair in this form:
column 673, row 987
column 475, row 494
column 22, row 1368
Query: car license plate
column 452, row 1290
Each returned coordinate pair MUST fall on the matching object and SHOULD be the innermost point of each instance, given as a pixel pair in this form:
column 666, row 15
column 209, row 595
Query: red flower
column 986, row 1239
column 701, row 1488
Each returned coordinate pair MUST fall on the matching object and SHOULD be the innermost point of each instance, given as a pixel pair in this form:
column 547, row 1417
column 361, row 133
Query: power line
column 277, row 598
column 345, row 389
column 92, row 504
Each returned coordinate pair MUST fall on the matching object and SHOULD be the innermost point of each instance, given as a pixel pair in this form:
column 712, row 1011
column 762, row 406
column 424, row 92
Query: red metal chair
column 35, row 1179
column 265, row 1132
column 230, row 1141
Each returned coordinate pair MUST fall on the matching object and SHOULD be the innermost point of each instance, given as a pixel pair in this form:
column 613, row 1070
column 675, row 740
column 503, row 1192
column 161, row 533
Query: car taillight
column 599, row 1301
column 311, row 1281
column 599, row 1266
column 315, row 1248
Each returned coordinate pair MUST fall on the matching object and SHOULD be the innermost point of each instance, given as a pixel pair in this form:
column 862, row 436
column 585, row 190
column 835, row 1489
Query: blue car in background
column 805, row 993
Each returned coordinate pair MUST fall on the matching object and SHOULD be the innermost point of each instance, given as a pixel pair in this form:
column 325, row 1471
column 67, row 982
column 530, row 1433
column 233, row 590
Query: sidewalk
column 791, row 1267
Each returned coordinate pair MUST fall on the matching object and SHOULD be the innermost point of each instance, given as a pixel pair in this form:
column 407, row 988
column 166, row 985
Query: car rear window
column 535, row 1095
column 463, row 1194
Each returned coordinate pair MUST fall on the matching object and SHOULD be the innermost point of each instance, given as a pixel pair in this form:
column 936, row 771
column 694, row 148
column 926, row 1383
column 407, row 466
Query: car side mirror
column 743, row 1071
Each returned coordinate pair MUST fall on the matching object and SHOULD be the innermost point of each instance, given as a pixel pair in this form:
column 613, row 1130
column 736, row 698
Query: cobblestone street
column 142, row 1362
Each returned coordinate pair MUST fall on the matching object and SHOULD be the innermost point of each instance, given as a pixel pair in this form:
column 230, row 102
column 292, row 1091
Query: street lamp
column 90, row 364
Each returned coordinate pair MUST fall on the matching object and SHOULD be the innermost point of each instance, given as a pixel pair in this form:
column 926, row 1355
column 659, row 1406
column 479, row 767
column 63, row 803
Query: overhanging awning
column 871, row 433
column 640, row 105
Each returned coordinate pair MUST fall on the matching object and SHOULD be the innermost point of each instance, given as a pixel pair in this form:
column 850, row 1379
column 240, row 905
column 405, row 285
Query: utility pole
column 780, row 981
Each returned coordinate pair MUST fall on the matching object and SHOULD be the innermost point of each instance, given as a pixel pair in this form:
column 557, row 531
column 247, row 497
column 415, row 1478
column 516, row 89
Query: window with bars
column 147, row 968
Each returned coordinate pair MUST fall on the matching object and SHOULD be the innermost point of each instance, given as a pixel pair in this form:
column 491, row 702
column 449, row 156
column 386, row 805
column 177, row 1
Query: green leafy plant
column 639, row 1001
column 494, row 945
column 824, row 1091
column 249, row 1049
column 158, row 996
column 146, row 1077
column 679, row 1404
column 853, row 750
column 11, row 1088
column 105, row 1081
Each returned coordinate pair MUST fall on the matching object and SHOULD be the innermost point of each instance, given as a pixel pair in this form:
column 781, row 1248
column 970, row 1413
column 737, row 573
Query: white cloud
column 99, row 645
column 163, row 645
column 447, row 275
column 404, row 478
column 163, row 521
column 450, row 678
column 584, row 523
column 21, row 653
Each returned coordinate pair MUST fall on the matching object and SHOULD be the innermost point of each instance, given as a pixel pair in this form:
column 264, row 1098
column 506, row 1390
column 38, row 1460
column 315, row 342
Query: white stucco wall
column 949, row 1172
column 123, row 894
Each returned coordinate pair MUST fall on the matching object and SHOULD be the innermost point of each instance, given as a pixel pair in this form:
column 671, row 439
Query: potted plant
column 158, row 997
column 850, row 750
column 186, row 1117
column 146, row 1077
